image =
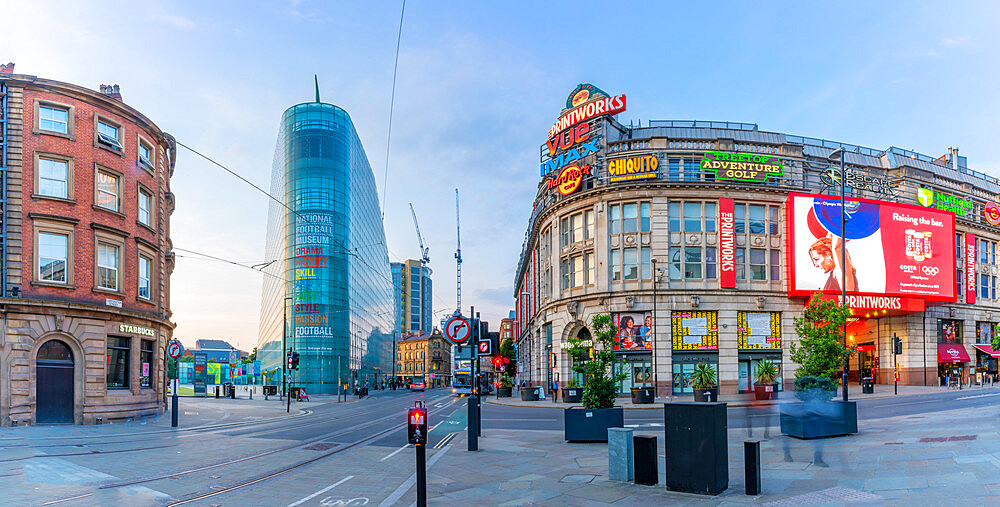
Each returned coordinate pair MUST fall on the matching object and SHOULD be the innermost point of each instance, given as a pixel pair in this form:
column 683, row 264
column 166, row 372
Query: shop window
column 985, row 331
column 118, row 362
column 694, row 330
column 758, row 330
column 146, row 363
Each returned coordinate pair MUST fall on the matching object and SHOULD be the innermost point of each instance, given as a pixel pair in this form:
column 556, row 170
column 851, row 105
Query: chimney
column 112, row 91
column 7, row 68
column 954, row 158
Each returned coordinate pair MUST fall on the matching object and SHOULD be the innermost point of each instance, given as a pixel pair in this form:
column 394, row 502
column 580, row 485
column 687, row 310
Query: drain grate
column 322, row 446
column 836, row 494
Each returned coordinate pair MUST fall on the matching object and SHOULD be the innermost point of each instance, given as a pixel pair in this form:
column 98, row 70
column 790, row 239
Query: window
column 674, row 212
column 53, row 119
column 144, row 272
column 107, row 190
column 145, row 201
column 109, row 135
column 774, row 213
column 146, row 363
column 674, row 172
column 692, row 217
column 775, row 265
column 692, row 262
column 53, row 253
column 614, row 217
column 118, row 362
column 675, row 263
column 984, row 251
column 630, row 211
column 107, row 266
column 577, row 227
column 984, row 286
column 644, row 264
column 630, row 264
column 739, row 214
column 616, row 265
column 145, row 155
column 644, row 217
column 709, row 217
column 757, row 219
column 758, row 264
column 741, row 267
column 710, row 261
column 53, row 178
column 589, row 265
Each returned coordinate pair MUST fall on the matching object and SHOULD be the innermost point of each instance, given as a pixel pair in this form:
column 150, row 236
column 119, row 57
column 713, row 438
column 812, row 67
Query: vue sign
column 574, row 154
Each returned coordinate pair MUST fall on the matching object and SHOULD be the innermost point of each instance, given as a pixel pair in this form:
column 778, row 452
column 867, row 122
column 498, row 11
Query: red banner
column 970, row 268
column 727, row 241
column 891, row 249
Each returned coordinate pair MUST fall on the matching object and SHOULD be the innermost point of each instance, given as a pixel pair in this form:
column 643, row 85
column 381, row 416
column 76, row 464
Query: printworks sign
column 633, row 168
column 741, row 166
column 970, row 268
column 727, row 248
column 934, row 199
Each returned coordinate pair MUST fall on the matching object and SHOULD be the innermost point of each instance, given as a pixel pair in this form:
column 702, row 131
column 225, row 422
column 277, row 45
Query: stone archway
column 55, row 397
column 79, row 364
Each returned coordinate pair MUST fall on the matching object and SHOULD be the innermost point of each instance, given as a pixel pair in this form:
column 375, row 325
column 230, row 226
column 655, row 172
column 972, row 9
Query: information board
column 200, row 365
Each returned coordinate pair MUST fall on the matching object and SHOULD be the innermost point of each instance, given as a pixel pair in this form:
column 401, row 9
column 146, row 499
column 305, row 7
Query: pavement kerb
column 657, row 405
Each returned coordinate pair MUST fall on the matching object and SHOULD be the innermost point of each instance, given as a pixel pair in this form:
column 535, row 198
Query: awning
column 987, row 349
column 952, row 353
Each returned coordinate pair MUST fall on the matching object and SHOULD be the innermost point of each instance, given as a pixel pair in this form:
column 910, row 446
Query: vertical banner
column 970, row 268
column 727, row 245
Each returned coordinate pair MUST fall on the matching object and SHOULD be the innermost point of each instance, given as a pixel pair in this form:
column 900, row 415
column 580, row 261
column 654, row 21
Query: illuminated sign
column 561, row 160
column 727, row 241
column 741, row 166
column 128, row 328
column 588, row 110
column 860, row 180
column 892, row 249
column 970, row 268
column 570, row 137
column 633, row 168
column 992, row 213
column 930, row 198
column 583, row 93
column 880, row 303
column 569, row 179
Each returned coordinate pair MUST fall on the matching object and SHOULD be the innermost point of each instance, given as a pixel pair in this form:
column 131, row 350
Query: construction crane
column 425, row 258
column 458, row 257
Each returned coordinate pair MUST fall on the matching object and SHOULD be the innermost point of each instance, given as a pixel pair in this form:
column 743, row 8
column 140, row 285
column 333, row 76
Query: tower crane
column 458, row 257
column 425, row 258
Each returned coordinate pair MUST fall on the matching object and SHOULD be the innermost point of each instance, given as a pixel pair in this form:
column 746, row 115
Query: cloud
column 175, row 21
column 956, row 42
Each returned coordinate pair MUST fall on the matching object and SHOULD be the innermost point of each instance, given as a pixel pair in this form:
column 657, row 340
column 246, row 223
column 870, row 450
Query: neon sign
column 569, row 179
column 741, row 166
column 563, row 159
column 567, row 139
column 992, row 213
column 633, row 168
column 586, row 111
column 931, row 198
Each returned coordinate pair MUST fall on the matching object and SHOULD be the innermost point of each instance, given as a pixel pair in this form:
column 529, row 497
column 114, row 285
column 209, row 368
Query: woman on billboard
column 825, row 254
column 627, row 332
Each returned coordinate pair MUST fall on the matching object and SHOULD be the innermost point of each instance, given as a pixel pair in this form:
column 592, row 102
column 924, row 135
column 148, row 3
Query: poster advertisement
column 635, row 331
column 758, row 330
column 891, row 249
column 694, row 330
column 949, row 331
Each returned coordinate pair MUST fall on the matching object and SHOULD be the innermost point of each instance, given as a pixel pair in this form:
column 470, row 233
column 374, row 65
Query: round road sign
column 457, row 330
column 174, row 349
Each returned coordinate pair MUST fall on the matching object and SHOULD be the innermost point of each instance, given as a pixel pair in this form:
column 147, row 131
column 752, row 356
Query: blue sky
column 479, row 84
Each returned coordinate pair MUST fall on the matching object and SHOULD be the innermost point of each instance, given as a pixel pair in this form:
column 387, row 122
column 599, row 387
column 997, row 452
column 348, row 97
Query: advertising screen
column 635, row 331
column 892, row 249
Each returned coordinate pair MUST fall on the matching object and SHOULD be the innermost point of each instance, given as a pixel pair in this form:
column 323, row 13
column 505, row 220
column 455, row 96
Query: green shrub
column 601, row 387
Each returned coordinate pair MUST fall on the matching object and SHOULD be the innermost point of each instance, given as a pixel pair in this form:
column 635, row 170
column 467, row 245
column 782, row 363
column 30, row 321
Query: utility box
column 696, row 447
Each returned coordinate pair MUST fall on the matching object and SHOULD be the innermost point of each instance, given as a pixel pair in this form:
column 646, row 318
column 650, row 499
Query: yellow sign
column 758, row 330
column 633, row 168
column 213, row 368
column 694, row 330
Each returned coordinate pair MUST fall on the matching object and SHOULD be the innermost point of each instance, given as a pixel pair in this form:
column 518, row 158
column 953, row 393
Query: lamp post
column 838, row 154
column 284, row 349
column 656, row 383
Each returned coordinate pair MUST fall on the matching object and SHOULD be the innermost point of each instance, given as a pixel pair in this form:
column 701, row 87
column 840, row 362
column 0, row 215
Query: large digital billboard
column 892, row 249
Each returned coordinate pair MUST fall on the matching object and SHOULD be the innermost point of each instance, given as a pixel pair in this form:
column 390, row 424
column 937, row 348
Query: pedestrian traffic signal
column 416, row 425
column 293, row 361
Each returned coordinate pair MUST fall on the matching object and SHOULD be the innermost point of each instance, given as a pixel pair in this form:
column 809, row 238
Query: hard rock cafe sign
column 569, row 179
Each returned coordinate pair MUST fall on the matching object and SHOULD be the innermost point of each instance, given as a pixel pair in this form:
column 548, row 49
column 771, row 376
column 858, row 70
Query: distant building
column 413, row 293
column 85, row 254
column 218, row 350
column 426, row 355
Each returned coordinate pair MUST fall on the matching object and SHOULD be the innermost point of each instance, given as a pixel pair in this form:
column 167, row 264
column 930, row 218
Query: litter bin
column 868, row 385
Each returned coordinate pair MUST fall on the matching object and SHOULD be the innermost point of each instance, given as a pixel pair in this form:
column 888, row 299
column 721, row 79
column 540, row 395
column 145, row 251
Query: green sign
column 952, row 203
column 741, row 166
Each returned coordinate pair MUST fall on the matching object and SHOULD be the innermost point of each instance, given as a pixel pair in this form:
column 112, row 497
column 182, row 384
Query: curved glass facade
column 330, row 274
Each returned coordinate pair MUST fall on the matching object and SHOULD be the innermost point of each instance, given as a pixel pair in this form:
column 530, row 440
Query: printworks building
column 704, row 240
column 86, row 254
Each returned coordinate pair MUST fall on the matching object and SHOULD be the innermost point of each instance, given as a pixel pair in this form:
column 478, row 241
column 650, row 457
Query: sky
column 478, row 85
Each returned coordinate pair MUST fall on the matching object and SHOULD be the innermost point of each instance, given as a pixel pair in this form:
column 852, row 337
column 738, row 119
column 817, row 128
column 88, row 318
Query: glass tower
column 330, row 272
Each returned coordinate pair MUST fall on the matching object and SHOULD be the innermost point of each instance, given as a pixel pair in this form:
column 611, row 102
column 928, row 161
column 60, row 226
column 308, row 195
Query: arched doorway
column 54, row 394
column 582, row 334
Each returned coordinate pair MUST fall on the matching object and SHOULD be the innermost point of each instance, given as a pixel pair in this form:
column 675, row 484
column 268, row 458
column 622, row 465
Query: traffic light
column 416, row 425
column 293, row 361
column 897, row 345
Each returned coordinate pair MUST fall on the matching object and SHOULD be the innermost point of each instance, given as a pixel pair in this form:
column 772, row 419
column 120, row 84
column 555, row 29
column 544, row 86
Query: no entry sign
column 457, row 330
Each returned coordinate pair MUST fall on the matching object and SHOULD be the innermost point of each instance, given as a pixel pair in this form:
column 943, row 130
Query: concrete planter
column 529, row 394
column 572, row 394
column 642, row 395
column 710, row 394
column 819, row 419
column 504, row 392
column 591, row 424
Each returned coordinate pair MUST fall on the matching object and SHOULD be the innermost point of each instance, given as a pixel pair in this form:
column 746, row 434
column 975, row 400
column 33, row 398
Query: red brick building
column 86, row 254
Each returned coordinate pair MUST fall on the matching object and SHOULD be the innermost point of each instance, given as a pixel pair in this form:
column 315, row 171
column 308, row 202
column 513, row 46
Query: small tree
column 507, row 352
column 601, row 385
column 820, row 352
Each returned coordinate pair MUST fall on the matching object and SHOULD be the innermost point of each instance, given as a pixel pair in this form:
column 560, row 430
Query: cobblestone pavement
column 355, row 454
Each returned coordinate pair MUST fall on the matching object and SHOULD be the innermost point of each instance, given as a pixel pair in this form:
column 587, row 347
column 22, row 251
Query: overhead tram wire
column 392, row 103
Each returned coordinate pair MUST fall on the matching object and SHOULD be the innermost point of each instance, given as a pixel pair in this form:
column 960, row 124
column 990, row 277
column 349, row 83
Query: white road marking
column 404, row 487
column 320, row 492
column 393, row 453
column 977, row 396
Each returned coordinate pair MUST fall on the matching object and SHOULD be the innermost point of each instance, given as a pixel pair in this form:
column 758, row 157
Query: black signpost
column 416, row 433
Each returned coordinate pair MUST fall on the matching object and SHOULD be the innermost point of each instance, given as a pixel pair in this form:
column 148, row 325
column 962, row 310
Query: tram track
column 297, row 445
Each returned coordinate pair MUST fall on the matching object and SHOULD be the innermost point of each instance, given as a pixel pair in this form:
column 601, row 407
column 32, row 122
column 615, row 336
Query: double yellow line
column 446, row 440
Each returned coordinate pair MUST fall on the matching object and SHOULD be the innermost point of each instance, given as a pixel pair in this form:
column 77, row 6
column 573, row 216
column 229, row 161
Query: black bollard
column 473, row 423
column 173, row 410
column 751, row 452
column 216, row 392
column 644, row 459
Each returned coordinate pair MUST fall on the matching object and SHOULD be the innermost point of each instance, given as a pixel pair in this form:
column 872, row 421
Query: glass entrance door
column 638, row 372
column 744, row 371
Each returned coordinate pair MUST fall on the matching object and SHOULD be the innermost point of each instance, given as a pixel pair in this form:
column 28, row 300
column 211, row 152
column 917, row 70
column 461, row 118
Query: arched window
column 55, row 350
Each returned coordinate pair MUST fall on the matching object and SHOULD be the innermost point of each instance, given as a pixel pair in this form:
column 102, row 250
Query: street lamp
column 838, row 154
column 284, row 349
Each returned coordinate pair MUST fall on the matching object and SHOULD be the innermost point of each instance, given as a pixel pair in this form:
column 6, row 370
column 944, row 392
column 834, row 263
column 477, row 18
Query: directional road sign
column 174, row 349
column 458, row 330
